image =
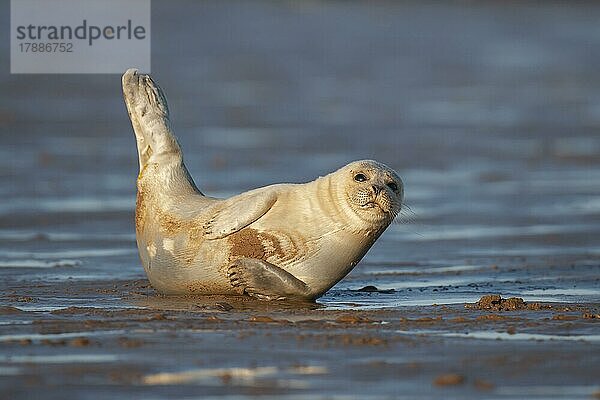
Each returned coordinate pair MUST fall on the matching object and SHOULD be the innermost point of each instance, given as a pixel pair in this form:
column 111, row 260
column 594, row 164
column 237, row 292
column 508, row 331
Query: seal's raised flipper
column 149, row 114
column 238, row 212
column 265, row 281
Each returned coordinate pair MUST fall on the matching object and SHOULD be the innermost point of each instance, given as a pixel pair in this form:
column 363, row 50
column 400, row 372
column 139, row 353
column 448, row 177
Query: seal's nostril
column 376, row 189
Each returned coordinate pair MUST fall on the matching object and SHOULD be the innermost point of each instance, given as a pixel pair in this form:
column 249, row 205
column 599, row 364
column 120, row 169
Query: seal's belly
column 179, row 259
column 318, row 258
column 185, row 263
column 176, row 265
column 176, row 256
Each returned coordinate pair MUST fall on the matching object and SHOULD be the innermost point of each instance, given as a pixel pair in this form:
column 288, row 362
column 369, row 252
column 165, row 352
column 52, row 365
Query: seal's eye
column 393, row 186
column 360, row 177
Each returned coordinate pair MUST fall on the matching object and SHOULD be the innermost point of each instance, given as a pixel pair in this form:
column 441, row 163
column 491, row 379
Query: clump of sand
column 495, row 302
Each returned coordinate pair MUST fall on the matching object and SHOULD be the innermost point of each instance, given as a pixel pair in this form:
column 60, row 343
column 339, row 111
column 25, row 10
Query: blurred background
column 490, row 112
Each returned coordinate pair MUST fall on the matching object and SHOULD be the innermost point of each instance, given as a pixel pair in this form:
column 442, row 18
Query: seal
column 284, row 241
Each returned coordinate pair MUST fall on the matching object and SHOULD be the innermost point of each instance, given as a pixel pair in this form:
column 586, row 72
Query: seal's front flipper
column 235, row 213
column 149, row 114
column 265, row 281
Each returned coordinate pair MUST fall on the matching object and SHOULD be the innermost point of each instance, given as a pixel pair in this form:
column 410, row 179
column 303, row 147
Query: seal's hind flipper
column 266, row 281
column 149, row 114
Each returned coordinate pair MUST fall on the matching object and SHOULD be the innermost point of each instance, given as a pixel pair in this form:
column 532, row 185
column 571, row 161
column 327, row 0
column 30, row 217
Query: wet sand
column 156, row 347
column 489, row 112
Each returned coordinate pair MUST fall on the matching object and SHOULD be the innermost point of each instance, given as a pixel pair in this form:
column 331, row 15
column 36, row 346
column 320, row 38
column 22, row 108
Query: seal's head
column 373, row 191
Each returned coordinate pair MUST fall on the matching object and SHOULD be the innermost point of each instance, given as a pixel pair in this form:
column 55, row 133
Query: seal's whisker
column 407, row 208
column 406, row 215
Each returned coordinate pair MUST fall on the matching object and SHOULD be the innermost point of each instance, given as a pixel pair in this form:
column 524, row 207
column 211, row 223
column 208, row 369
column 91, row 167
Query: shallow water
column 489, row 113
